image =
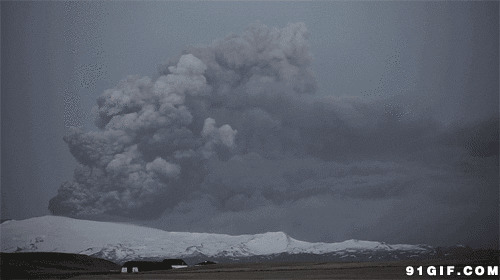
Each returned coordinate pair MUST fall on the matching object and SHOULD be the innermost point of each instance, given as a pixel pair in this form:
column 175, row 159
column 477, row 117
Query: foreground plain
column 324, row 270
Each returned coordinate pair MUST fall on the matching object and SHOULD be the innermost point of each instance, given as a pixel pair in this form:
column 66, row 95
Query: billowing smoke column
column 231, row 138
column 156, row 136
column 146, row 147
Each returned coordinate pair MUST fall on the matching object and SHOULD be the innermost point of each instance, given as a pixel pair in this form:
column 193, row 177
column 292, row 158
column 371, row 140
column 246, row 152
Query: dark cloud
column 232, row 137
column 134, row 165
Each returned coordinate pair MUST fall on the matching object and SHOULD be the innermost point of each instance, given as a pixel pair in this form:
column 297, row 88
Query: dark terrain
column 52, row 265
column 61, row 265
column 325, row 270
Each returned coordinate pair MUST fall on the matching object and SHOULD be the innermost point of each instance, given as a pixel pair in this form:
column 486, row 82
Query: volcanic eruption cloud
column 235, row 130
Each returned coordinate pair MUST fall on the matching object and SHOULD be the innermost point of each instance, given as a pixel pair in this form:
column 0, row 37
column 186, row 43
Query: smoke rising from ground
column 234, row 130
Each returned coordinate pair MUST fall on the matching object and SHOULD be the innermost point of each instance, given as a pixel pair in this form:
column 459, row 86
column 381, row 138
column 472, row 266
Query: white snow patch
column 119, row 242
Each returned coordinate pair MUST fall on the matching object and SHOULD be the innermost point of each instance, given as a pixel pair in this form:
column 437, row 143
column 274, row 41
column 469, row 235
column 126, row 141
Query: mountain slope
column 121, row 242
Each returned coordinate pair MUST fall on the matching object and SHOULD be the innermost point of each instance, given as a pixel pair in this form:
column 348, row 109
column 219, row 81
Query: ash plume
column 146, row 141
column 156, row 135
column 236, row 131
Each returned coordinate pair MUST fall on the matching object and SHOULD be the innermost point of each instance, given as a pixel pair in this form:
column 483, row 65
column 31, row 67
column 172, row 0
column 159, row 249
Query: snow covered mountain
column 122, row 242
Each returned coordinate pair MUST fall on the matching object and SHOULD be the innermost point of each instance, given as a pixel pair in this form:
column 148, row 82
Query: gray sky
column 395, row 139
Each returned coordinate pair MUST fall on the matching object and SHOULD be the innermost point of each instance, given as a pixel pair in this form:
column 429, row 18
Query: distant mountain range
column 123, row 242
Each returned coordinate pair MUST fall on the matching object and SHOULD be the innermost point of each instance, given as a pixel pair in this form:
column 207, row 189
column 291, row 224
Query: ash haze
column 326, row 120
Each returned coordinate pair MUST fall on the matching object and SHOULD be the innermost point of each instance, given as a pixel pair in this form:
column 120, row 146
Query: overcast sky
column 326, row 120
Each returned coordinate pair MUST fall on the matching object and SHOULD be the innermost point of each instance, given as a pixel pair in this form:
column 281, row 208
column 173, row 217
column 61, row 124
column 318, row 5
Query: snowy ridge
column 122, row 242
